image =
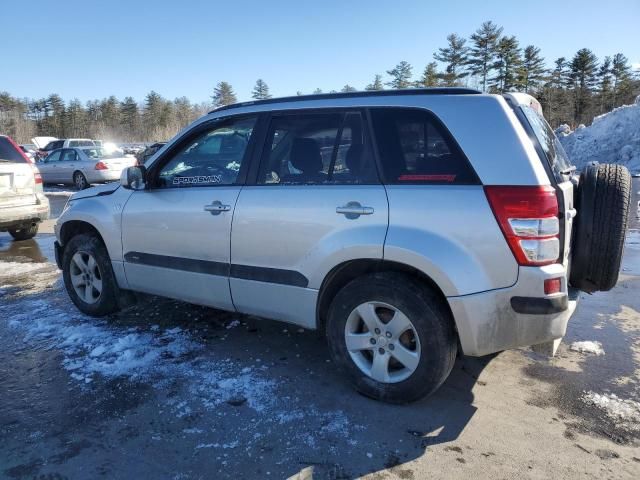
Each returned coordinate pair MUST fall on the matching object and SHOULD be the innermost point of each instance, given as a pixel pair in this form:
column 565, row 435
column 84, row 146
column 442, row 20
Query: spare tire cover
column 602, row 200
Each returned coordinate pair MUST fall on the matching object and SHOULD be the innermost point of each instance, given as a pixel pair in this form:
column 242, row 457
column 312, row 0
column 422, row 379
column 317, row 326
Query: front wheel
column 393, row 336
column 88, row 276
column 25, row 233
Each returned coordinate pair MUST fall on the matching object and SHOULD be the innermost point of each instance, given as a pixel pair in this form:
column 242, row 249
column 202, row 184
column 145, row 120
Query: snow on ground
column 594, row 348
column 93, row 349
column 12, row 269
column 613, row 137
column 625, row 413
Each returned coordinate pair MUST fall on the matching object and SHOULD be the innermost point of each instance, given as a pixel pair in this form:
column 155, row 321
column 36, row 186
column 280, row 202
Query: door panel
column 173, row 247
column 317, row 203
column 49, row 167
column 176, row 235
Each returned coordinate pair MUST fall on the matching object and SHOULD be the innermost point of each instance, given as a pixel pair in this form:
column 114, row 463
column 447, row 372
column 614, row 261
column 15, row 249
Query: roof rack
column 372, row 93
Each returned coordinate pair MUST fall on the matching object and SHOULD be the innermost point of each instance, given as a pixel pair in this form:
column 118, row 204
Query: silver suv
column 406, row 225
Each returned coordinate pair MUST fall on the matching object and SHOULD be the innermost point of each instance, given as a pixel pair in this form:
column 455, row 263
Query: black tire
column 25, row 233
column 603, row 199
column 107, row 302
column 426, row 311
column 80, row 181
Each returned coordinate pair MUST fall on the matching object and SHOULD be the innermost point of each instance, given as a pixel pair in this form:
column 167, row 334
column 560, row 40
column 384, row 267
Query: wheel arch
column 71, row 228
column 343, row 273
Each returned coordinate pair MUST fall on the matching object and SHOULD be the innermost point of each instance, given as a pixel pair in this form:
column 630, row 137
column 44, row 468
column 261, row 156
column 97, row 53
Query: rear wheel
column 25, row 233
column 603, row 200
column 80, row 181
column 88, row 276
column 393, row 336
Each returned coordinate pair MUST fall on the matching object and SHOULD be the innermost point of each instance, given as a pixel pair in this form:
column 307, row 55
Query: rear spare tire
column 602, row 200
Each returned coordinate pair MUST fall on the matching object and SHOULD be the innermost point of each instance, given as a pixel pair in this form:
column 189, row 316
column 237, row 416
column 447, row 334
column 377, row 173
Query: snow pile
column 613, row 137
column 594, row 348
column 624, row 412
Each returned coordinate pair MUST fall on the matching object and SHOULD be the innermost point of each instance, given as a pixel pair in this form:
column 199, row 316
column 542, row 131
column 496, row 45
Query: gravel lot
column 170, row 390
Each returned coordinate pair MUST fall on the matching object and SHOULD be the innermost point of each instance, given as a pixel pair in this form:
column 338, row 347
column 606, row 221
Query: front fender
column 104, row 213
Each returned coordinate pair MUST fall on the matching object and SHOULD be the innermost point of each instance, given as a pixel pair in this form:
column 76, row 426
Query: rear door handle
column 353, row 210
column 216, row 207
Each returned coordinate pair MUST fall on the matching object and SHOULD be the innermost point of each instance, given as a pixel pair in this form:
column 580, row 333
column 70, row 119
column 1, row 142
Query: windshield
column 552, row 147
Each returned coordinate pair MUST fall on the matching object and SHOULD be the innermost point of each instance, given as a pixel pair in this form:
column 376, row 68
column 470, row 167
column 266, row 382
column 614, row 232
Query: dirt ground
column 170, row 390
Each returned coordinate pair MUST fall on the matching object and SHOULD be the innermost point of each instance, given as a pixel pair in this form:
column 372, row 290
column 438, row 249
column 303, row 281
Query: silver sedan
column 82, row 166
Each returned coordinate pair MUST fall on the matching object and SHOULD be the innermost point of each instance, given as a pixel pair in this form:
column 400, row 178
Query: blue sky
column 92, row 49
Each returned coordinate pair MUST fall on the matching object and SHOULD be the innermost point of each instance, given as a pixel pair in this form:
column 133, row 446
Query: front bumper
column 20, row 217
column 517, row 316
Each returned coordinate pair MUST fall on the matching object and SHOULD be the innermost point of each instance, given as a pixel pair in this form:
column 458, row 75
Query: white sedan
column 82, row 166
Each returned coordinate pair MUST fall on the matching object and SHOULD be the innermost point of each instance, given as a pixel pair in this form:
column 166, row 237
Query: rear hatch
column 555, row 160
column 17, row 182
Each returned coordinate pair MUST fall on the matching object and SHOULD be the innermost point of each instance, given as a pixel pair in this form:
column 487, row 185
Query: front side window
column 53, row 156
column 212, row 157
column 415, row 148
column 317, row 148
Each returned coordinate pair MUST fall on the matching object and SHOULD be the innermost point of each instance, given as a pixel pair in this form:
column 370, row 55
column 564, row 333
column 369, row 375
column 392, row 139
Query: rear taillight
column 528, row 218
column 101, row 166
column 36, row 174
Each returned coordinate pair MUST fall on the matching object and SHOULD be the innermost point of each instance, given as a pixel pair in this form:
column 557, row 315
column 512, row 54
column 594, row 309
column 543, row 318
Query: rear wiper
column 568, row 170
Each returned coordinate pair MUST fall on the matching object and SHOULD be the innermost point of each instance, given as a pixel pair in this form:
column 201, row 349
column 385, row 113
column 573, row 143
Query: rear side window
column 317, row 149
column 415, row 147
column 9, row 153
column 553, row 150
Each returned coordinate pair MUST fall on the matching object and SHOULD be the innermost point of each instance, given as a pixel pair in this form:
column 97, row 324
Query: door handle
column 353, row 210
column 216, row 207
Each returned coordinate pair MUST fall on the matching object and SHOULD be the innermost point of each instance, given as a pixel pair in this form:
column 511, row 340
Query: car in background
column 149, row 151
column 131, row 148
column 23, row 204
column 63, row 143
column 82, row 166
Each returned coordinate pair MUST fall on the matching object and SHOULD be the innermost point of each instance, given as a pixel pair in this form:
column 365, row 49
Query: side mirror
column 132, row 178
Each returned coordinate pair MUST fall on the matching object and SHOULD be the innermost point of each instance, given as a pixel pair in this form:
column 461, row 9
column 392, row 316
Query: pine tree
column 604, row 85
column 223, row 94
column 400, row 75
column 454, row 56
column 507, row 65
column 532, row 71
column 482, row 53
column 130, row 118
column 376, row 84
column 583, row 80
column 621, row 74
column 75, row 119
column 261, row 90
column 348, row 88
column 317, row 91
column 430, row 76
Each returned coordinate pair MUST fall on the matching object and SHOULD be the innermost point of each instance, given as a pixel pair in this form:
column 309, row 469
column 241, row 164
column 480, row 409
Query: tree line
column 571, row 90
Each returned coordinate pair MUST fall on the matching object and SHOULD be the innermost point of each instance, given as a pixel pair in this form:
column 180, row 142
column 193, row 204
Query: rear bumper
column 17, row 217
column 517, row 316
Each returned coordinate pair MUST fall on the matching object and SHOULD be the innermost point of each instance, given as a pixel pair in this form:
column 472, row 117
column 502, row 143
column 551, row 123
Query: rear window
column 81, row 143
column 553, row 150
column 9, row 153
column 415, row 147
